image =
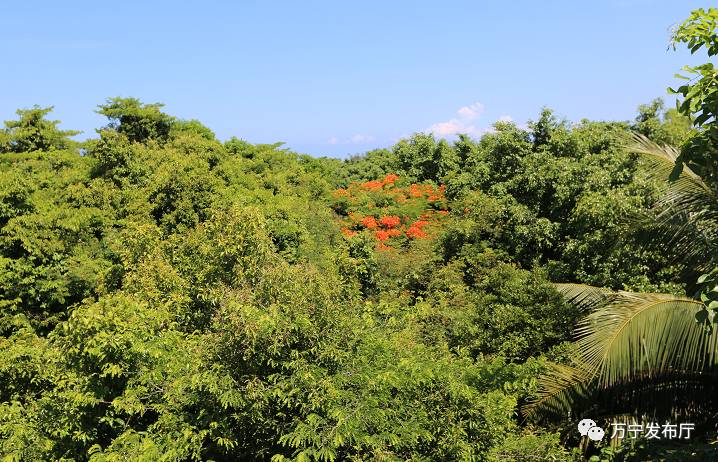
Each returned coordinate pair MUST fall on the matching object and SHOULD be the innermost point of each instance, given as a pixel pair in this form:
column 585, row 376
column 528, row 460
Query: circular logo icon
column 585, row 425
column 595, row 433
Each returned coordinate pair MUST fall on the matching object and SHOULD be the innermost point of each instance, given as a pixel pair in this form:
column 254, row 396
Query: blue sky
column 338, row 77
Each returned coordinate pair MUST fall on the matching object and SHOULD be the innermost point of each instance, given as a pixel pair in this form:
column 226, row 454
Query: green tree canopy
column 139, row 122
column 33, row 132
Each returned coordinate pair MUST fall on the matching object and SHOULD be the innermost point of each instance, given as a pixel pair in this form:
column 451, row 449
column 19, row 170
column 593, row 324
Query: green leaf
column 701, row 316
column 676, row 172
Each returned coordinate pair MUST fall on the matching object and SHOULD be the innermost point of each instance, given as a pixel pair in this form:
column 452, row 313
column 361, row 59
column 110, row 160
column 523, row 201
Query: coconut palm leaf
column 642, row 335
column 685, row 217
column 562, row 388
column 631, row 341
column 584, row 296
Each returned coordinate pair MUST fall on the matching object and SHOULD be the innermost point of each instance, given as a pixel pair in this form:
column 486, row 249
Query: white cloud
column 451, row 128
column 461, row 124
column 465, row 122
column 358, row 139
column 471, row 112
column 355, row 139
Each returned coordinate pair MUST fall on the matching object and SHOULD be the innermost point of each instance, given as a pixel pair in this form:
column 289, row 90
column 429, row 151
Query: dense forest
column 166, row 296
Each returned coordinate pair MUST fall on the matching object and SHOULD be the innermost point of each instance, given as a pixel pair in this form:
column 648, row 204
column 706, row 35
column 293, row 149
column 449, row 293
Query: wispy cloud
column 465, row 122
column 451, row 128
column 462, row 123
column 359, row 139
column 471, row 112
column 354, row 139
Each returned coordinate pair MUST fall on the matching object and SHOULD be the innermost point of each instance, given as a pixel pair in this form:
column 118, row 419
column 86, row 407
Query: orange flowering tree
column 392, row 212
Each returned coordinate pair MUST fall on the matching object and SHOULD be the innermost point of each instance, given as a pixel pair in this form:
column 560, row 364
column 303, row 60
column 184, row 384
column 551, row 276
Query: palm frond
column 561, row 388
column 629, row 347
column 584, row 296
column 642, row 335
column 685, row 217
